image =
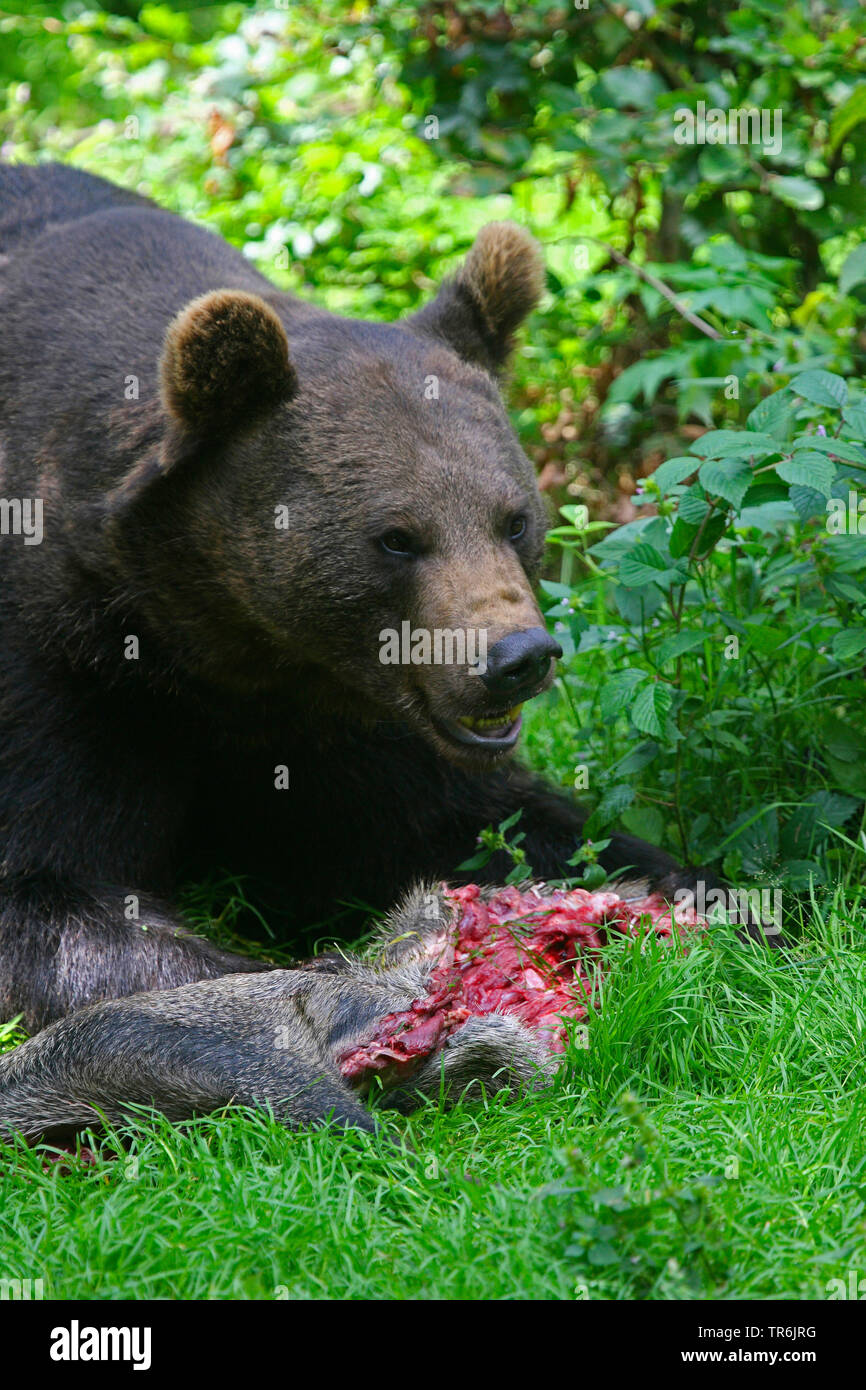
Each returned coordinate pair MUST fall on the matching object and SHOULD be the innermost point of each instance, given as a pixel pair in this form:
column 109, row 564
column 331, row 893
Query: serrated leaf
column 672, row 472
column 799, row 873
column 693, row 505
column 681, row 538
column 711, row 532
column 729, row 478
column 849, row 644
column 842, row 448
column 643, row 564
column 855, row 420
column 681, row 642
column 821, row 388
column 651, row 708
column 809, row 470
column 746, row 443
column 616, row 693
column 612, row 804
column 807, row 501
column 637, row 758
column 772, row 415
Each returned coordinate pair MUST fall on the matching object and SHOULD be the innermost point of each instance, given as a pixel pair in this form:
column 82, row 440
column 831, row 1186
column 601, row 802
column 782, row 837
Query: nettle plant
column 725, row 633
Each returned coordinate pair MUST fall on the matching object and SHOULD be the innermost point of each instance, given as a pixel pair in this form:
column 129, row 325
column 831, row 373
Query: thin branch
column 664, row 290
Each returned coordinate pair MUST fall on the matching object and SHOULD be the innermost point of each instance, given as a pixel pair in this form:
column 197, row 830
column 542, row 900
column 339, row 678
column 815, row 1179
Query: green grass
column 706, row 1144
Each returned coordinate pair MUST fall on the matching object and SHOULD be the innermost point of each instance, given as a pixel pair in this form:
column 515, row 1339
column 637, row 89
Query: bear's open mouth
column 496, row 732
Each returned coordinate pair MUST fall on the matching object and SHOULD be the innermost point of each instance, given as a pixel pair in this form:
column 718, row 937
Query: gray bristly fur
column 269, row 1039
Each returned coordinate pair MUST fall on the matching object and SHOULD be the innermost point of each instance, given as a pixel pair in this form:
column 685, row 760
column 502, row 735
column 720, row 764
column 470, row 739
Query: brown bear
column 234, row 528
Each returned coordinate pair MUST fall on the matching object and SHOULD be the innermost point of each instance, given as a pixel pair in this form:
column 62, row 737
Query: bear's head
column 342, row 510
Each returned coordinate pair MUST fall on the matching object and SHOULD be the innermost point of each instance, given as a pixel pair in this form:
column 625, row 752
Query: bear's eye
column 517, row 528
column 400, row 543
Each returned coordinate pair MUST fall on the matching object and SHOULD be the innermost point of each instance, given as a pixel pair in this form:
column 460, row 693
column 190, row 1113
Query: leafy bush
column 726, row 637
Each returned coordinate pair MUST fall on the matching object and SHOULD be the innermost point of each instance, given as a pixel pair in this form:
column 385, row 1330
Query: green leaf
column 643, row 564
column 845, row 756
column 625, row 87
column 746, row 443
column 646, row 822
column 682, row 537
column 728, row 478
column 635, row 606
column 617, row 1197
column 773, row 414
column 477, row 861
column 645, row 377
column 672, row 472
column 728, row 740
column 681, row 642
column 612, row 805
column 853, row 271
column 800, row 872
column 847, row 116
column 637, row 758
column 807, row 501
column 808, row 825
column 652, row 529
column 855, row 420
column 616, row 693
column 809, row 470
column 555, row 590
column 821, row 388
column 764, row 638
column 710, row 533
column 849, row 644
column 845, row 588
column 693, row 505
column 651, row 708
column 797, row 192
column 842, row 448
column 601, row 1253
column 721, row 163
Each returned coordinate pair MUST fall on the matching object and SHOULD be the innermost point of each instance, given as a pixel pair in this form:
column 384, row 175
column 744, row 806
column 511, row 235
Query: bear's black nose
column 519, row 661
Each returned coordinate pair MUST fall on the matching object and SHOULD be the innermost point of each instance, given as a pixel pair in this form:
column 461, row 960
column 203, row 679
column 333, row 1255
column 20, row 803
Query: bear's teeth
column 495, row 721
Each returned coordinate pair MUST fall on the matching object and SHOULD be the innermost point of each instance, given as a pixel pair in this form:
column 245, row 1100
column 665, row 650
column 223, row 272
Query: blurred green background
column 352, row 150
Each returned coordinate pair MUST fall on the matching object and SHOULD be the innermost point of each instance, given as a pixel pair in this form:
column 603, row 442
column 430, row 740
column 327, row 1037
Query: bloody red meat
column 533, row 955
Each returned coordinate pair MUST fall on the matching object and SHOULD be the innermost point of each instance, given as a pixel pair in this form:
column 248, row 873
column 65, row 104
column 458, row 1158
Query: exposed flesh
column 531, row 955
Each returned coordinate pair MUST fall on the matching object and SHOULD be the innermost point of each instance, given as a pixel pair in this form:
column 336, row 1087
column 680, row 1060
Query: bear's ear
column 496, row 287
column 225, row 359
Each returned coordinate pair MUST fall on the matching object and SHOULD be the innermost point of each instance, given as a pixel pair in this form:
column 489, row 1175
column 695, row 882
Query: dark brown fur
column 163, row 400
